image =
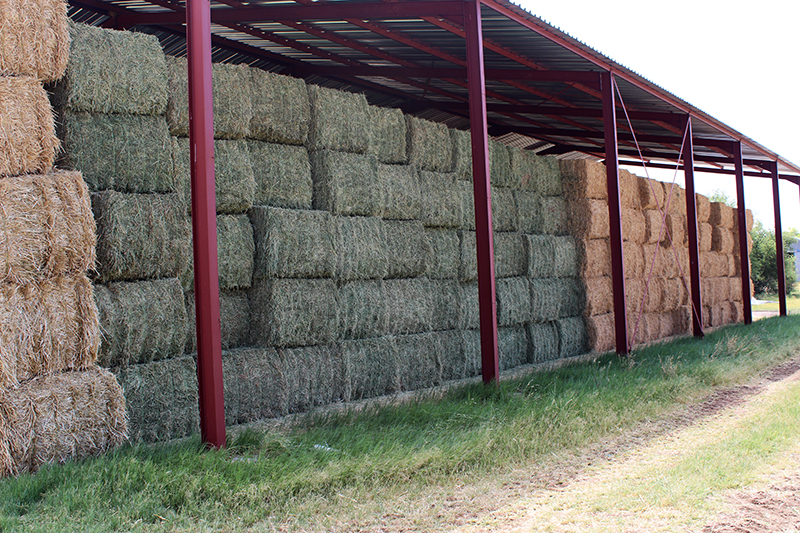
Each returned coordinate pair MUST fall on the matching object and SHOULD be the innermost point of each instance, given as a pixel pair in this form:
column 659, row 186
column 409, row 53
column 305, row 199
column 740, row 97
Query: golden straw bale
column 682, row 320
column 629, row 190
column 645, row 328
column 588, row 218
column 651, row 194
column 54, row 419
column 596, row 258
column 599, row 296
column 28, row 141
column 749, row 244
column 653, row 221
column 653, row 294
column 46, row 227
column 633, row 225
column 673, row 294
column 705, row 236
column 601, row 332
column 633, row 255
column 675, row 198
column 734, row 267
column 750, row 221
column 654, row 262
column 708, row 291
column 736, row 311
column 34, row 38
column 721, row 215
column 703, row 208
column 583, row 178
column 722, row 240
column 634, row 293
column 735, row 289
column 675, row 230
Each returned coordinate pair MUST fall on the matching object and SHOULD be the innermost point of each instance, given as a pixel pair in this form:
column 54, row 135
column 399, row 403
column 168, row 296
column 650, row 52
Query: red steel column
column 614, row 213
column 490, row 362
column 204, row 224
column 742, row 225
column 776, row 204
column 691, row 221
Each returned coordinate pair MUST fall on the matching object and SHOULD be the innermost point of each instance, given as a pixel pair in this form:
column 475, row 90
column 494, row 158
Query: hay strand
column 409, row 305
column 28, row 140
column 34, row 38
column 362, row 310
column 234, row 311
column 443, row 261
column 442, row 206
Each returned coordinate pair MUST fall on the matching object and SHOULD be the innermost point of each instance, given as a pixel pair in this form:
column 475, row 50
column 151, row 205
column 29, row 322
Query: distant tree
column 763, row 259
column 720, row 196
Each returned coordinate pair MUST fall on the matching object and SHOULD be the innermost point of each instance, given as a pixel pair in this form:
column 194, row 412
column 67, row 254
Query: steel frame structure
column 483, row 64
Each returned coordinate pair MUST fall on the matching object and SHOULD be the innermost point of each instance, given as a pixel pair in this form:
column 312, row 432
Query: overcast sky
column 736, row 60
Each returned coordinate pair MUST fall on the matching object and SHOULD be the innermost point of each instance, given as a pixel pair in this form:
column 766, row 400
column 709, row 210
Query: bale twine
column 55, row 419
column 722, row 240
column 721, row 215
column 140, row 236
column 310, row 377
column 234, row 311
column 142, row 322
column 360, row 246
column 442, row 206
column 702, row 207
column 466, row 193
column 362, row 310
column 46, row 227
column 583, row 179
column 293, row 312
column 339, row 121
column 504, row 210
column 513, row 301
column 468, row 306
column 409, row 305
column 510, row 256
column 651, row 194
column 28, row 141
column 652, row 226
column 705, row 237
column 633, row 255
column 595, row 256
column 407, row 248
column 541, row 252
column 282, row 175
column 445, row 295
column 543, row 342
column 553, row 215
column 588, row 218
column 95, row 82
column 387, row 139
column 512, row 346
column 292, row 243
column 573, row 337
column 46, row 327
column 527, row 204
column 444, row 258
column 34, row 39
column 599, row 295
column 600, row 332
column 500, row 166
column 629, row 190
column 430, row 146
column 253, row 385
column 418, row 360
column 345, row 184
column 462, row 154
column 634, row 227
column 281, row 109
column 401, row 198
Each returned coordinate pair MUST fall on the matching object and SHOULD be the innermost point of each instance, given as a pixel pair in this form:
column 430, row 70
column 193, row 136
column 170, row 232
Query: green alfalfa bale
column 545, row 299
column 452, row 361
column 528, row 204
column 409, row 305
column 310, row 377
column 387, row 139
column 234, row 311
column 468, row 306
column 471, row 347
column 140, row 322
column 466, row 193
column 252, row 385
column 282, row 175
column 236, row 249
column 442, row 205
column 573, row 338
column 462, row 154
column 161, row 399
column 141, row 236
column 362, row 310
column 346, row 184
column 523, row 168
column 407, row 248
column 370, row 368
column 96, row 82
column 512, row 346
column 510, row 255
column 553, row 215
column 513, row 301
column 584, row 179
column 340, row 120
column 281, row 109
column 360, row 246
column 401, row 198
column 292, row 243
column 293, row 312
column 443, row 260
column 468, row 259
column 417, row 359
column 541, row 251
column 504, row 210
column 566, row 257
column 543, row 342
column 500, row 165
column 571, row 297
column 430, row 146
column 128, row 153
column 547, row 179
column 445, row 296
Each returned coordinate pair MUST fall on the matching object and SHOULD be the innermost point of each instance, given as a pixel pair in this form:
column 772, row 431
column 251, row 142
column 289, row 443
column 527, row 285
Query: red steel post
column 776, row 204
column 490, row 362
column 691, row 221
column 614, row 213
column 204, row 224
column 742, row 225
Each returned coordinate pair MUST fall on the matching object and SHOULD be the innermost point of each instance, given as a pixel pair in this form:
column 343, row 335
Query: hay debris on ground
column 34, row 39
column 310, row 377
column 445, row 295
column 417, row 359
column 293, row 312
column 141, row 322
column 407, row 248
column 401, row 198
column 55, row 419
column 504, row 210
column 362, row 310
column 254, row 385
column 443, row 260
column 370, row 368
column 282, row 175
column 721, row 215
column 595, row 258
column 28, row 141
column 500, row 166
column 127, row 153
column 583, row 179
column 292, row 243
column 573, row 337
column 513, row 301
column 339, row 120
column 462, row 154
column 281, row 109
column 543, row 342
column 430, row 146
column 346, row 184
column 409, row 305
column 442, row 206
column 512, row 346
column 47, row 227
column 360, row 247
column 96, row 82
column 387, row 139
column 600, row 330
column 47, row 327
column 141, row 236
column 234, row 311
column 589, row 218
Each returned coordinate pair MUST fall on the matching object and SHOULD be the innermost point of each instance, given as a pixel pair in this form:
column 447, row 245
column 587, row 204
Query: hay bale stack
column 633, row 256
column 468, row 306
column 293, row 312
column 232, row 90
column 735, row 289
column 547, row 179
column 658, row 261
column 634, row 227
column 282, row 175
column 513, row 301
column 651, row 299
column 161, row 399
column 673, row 294
column 588, row 218
column 722, row 240
column 442, row 206
column 407, row 248
column 127, row 153
column 94, row 81
column 510, row 255
column 653, row 221
column 541, row 252
column 387, row 139
column 523, row 168
column 360, row 247
column 54, row 419
column 418, row 360
column 292, row 243
column 34, row 39
column 310, row 377
column 583, row 179
column 703, row 208
column 573, row 337
column 362, row 310
column 345, row 184
column 595, row 258
column 234, row 310
column 675, row 199
column 236, row 250
column 600, row 332
column 140, row 236
column 28, row 140
column 705, row 237
column 528, row 205
column 721, row 215
column 444, row 258
column 281, row 109
column 409, row 305
column 370, row 368
column 512, row 346
column 553, row 215
column 629, row 190
column 471, row 348
column 500, row 166
column 47, row 227
column 465, row 191
column 675, row 230
column 462, row 154
column 599, row 295
column 401, row 198
column 543, row 342
column 504, row 210
column 749, row 220
column 651, row 194
column 445, row 295
column 141, row 322
column 713, row 265
column 46, row 327
column 339, row 121
column 545, row 299
column 450, row 355
column 254, row 385
column 430, row 146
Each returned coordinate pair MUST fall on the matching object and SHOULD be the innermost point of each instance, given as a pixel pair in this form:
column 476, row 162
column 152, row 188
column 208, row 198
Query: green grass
column 472, row 431
column 792, row 303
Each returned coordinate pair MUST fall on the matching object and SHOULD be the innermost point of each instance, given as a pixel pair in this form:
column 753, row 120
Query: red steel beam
column 204, row 224
column 742, row 225
column 691, row 222
column 614, row 214
column 490, row 361
column 776, row 204
column 455, row 73
column 707, row 170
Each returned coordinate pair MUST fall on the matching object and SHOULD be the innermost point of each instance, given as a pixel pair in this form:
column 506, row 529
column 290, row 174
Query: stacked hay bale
column 55, row 403
column 720, row 266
